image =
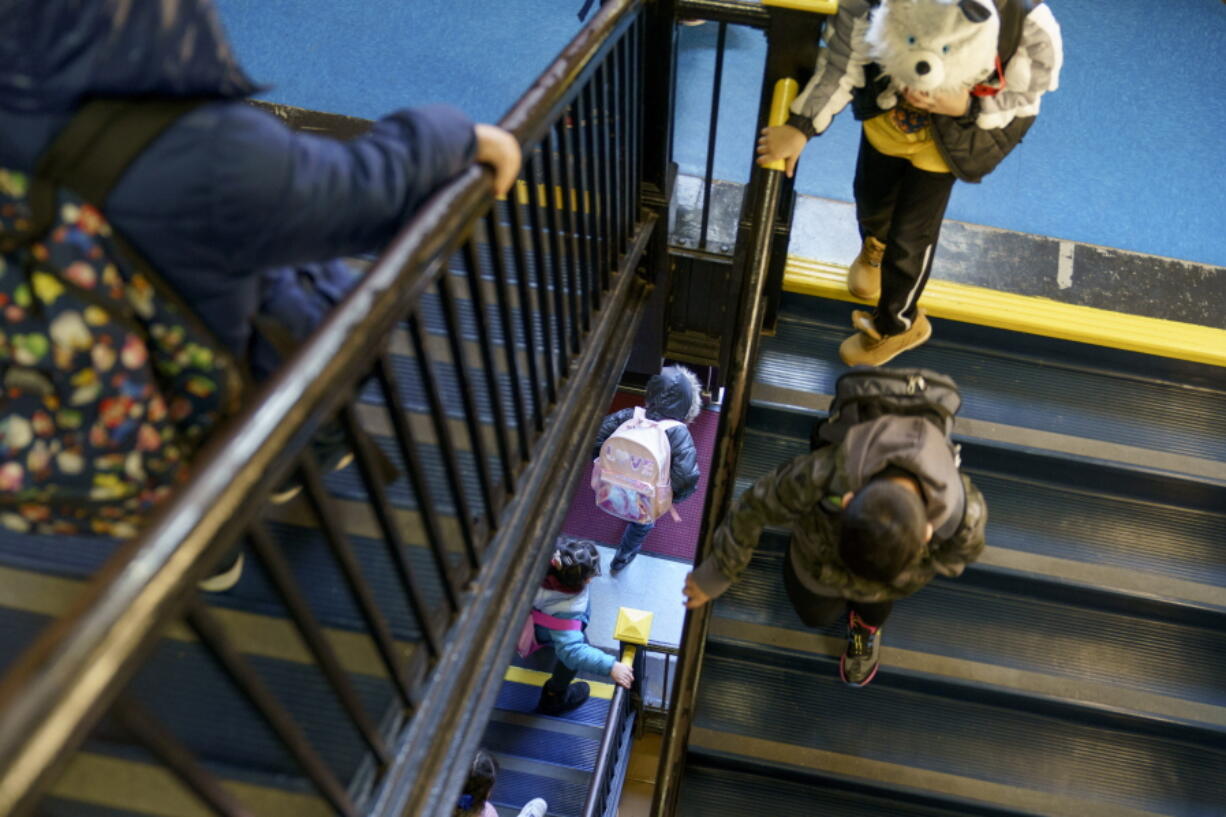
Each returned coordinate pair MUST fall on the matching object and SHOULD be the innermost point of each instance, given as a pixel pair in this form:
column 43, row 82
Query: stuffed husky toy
column 933, row 46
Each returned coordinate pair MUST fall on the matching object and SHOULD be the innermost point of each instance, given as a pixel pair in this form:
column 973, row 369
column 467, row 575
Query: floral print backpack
column 109, row 383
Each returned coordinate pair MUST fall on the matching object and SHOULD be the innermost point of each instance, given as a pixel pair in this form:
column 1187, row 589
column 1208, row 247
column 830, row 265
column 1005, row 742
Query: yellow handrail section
column 1032, row 315
column 815, row 6
column 781, row 101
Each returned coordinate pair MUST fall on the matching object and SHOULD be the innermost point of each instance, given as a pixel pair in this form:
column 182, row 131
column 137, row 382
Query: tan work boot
column 868, row 347
column 864, row 275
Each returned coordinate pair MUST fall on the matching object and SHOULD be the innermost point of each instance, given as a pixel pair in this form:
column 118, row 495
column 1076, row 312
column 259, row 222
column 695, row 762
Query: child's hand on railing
column 500, row 150
column 622, row 675
column 781, row 142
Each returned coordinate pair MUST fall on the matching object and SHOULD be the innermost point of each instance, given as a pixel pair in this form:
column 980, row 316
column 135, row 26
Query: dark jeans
column 820, row 611
column 633, row 537
column 902, row 207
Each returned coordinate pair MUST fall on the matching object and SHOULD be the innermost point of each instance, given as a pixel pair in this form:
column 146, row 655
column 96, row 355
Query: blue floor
column 1127, row 154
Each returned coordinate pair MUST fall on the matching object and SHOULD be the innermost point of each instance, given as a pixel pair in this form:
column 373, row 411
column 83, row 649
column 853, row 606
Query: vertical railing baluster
column 473, row 264
column 708, row 174
column 618, row 235
column 426, row 507
column 373, row 483
column 497, row 247
column 342, row 551
column 526, row 313
column 145, row 729
column 592, row 215
column 567, row 328
column 623, row 128
column 640, row 37
column 572, row 198
column 442, row 435
column 545, row 274
column 472, row 419
column 282, row 723
column 278, row 570
column 583, row 161
column 668, row 660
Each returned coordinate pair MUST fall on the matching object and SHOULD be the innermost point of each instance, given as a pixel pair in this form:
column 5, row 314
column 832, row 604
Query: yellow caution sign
column 633, row 627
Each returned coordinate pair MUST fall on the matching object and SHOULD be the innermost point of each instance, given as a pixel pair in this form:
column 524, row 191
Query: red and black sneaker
column 859, row 662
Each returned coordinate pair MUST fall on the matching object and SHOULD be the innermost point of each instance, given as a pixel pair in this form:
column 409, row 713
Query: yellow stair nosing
column 532, row 677
column 1032, row 315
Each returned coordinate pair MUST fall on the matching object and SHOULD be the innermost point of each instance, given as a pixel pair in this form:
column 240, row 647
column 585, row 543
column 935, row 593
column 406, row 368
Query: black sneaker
column 554, row 704
column 860, row 661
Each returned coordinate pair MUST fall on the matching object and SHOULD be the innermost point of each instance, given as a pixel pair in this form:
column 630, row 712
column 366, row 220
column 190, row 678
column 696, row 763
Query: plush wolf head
column 934, row 45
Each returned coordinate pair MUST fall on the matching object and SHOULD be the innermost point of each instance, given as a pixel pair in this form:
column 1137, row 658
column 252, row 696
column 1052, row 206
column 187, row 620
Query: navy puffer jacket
column 673, row 394
column 239, row 213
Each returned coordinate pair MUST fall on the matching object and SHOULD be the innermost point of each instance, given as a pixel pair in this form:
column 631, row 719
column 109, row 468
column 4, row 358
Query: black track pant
column 819, row 611
column 902, row 207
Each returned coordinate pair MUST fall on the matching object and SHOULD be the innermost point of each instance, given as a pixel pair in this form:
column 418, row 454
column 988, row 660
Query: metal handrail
column 608, row 754
column 737, row 12
column 765, row 189
column 58, row 689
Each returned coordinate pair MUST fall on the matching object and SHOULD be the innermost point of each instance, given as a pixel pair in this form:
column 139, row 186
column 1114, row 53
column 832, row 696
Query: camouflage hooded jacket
column 805, row 495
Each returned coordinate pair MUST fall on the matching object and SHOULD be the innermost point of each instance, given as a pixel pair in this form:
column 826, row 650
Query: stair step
column 519, row 781
column 543, row 744
column 1005, row 386
column 891, row 735
column 734, row 791
column 1151, row 554
column 1010, row 647
column 106, row 780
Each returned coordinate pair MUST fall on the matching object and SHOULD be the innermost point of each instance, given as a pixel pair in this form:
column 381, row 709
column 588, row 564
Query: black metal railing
column 625, row 711
column 759, row 253
column 514, row 321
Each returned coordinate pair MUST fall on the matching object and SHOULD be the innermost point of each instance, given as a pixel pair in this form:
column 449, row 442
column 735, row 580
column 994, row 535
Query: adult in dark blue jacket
column 239, row 213
column 673, row 394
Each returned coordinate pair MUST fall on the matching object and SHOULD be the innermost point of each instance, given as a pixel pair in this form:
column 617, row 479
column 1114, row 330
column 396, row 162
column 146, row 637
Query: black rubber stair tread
column 549, row 746
column 710, row 790
column 953, row 618
column 885, row 724
column 1018, row 391
column 517, row 786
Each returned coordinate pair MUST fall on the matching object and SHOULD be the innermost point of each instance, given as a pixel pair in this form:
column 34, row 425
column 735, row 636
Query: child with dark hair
column 474, row 800
column 673, row 394
column 873, row 519
column 563, row 595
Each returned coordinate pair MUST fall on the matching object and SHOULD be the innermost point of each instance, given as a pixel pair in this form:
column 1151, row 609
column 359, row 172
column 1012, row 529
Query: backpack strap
column 554, row 623
column 90, row 155
column 1012, row 19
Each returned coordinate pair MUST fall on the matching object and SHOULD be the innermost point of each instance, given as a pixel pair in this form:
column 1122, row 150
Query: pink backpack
column 631, row 475
column 528, row 644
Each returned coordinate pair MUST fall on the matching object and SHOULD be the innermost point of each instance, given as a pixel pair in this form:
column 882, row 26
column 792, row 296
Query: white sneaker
column 534, row 808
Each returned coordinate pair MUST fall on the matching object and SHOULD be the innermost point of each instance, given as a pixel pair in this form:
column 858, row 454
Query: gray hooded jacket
column 806, row 493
